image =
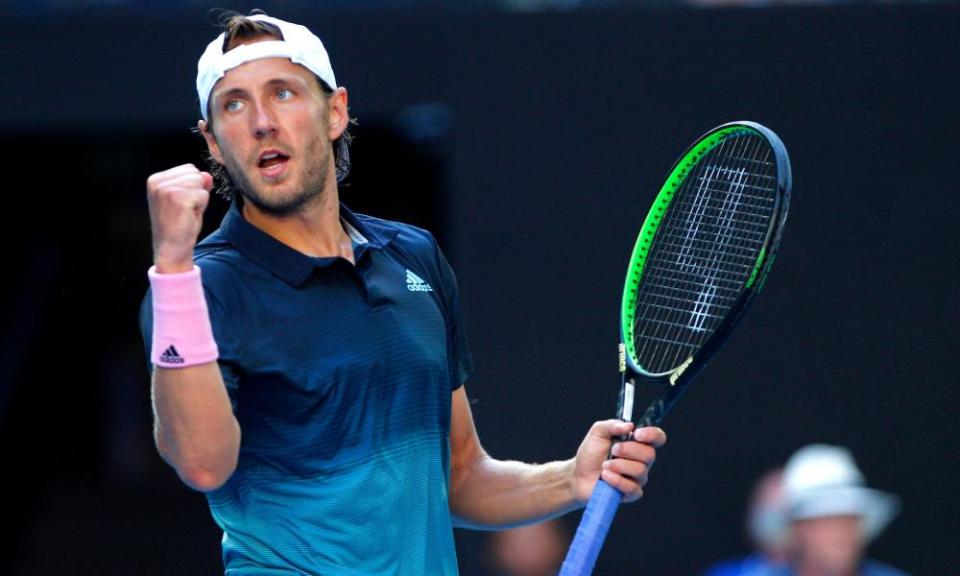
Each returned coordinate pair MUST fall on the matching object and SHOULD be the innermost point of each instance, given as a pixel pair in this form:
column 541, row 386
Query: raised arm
column 194, row 426
column 490, row 493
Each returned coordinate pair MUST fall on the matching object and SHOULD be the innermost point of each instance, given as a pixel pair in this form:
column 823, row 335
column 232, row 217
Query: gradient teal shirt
column 341, row 379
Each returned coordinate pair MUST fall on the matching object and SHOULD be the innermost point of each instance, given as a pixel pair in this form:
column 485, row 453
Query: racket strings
column 692, row 260
column 704, row 251
column 697, row 262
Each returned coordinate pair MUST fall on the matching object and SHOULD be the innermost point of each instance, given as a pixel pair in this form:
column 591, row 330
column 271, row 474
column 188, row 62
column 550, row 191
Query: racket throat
column 625, row 407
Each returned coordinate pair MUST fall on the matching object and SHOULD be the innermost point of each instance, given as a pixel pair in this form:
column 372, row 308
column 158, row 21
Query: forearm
column 194, row 426
column 488, row 493
column 496, row 494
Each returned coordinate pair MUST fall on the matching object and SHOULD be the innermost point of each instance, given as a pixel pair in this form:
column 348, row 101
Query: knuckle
column 189, row 180
column 154, row 182
column 158, row 178
column 167, row 193
column 638, row 471
column 647, row 453
column 184, row 168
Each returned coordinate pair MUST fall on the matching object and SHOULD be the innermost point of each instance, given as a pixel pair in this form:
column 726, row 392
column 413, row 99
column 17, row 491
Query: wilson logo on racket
column 679, row 371
column 416, row 283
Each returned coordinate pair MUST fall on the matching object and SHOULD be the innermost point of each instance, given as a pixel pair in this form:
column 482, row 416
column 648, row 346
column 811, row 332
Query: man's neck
column 314, row 230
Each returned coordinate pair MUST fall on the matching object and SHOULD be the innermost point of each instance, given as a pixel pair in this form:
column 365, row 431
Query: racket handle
column 592, row 530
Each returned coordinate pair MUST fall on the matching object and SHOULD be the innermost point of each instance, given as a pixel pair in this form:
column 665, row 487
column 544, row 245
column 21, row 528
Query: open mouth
column 272, row 161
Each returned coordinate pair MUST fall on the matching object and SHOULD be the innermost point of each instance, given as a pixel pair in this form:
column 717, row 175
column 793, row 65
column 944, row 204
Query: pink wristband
column 182, row 335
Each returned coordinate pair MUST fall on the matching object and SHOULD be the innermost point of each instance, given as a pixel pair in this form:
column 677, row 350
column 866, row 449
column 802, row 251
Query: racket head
column 704, row 251
column 713, row 221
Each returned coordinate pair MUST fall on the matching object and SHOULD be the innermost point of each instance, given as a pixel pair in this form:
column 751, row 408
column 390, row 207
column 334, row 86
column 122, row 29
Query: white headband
column 299, row 44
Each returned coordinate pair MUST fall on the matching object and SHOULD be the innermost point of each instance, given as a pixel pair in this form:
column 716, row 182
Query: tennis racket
column 702, row 255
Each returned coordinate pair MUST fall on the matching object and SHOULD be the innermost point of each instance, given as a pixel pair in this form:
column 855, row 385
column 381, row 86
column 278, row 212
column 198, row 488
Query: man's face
column 272, row 127
column 830, row 546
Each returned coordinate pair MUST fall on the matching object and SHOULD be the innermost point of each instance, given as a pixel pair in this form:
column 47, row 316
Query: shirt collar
column 291, row 266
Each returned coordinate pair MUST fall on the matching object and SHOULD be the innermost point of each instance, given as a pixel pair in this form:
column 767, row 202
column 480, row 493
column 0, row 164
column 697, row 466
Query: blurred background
column 531, row 136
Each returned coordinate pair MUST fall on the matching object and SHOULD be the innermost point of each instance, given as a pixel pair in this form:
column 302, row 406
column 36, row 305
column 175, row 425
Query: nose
column 264, row 122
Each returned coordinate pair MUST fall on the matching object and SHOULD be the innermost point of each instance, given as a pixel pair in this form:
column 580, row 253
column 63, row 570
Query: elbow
column 204, row 467
column 467, row 475
column 203, row 474
column 205, row 479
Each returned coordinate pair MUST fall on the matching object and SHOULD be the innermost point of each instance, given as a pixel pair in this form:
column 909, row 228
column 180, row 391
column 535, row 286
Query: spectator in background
column 833, row 515
column 766, row 528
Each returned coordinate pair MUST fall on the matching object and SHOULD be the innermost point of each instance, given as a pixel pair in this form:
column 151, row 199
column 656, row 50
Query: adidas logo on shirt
column 170, row 356
column 416, row 283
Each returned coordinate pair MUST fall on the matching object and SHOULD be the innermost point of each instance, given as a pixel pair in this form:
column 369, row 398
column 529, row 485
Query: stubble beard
column 313, row 178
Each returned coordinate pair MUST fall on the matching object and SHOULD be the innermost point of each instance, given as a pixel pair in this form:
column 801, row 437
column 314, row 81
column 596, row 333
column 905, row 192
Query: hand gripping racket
column 703, row 253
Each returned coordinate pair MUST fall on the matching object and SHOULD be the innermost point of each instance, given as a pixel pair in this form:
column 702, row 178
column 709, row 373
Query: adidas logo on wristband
column 170, row 356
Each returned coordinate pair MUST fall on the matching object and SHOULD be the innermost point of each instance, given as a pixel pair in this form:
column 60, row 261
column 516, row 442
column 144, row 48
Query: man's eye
column 232, row 105
column 284, row 94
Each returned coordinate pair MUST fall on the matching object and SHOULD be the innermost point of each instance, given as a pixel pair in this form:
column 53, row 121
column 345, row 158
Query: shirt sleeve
column 458, row 350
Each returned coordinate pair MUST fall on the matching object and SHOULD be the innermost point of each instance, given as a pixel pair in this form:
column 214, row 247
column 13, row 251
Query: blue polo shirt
column 341, row 377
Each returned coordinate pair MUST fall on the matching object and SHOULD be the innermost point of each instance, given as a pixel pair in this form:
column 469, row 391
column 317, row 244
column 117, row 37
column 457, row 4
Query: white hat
column 821, row 480
column 299, row 44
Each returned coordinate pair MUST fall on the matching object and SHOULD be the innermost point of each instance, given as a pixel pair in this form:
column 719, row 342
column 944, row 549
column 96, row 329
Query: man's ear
column 338, row 113
column 212, row 144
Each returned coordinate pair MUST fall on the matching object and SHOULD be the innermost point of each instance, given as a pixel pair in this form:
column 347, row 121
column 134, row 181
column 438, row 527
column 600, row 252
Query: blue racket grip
column 592, row 530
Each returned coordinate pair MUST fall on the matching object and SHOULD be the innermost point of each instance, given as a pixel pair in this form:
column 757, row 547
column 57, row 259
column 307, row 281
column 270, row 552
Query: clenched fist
column 177, row 199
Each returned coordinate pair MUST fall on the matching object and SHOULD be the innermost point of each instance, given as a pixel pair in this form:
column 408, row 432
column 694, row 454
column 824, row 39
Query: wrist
column 182, row 334
column 172, row 258
column 172, row 264
column 172, row 267
column 569, row 468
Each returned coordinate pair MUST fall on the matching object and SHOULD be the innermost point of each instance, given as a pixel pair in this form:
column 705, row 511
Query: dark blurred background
column 530, row 136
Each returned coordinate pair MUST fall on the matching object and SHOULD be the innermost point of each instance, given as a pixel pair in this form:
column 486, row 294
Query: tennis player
column 311, row 382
